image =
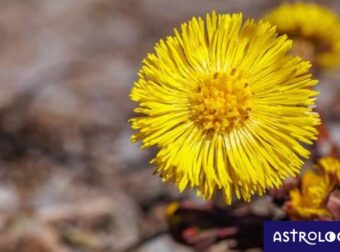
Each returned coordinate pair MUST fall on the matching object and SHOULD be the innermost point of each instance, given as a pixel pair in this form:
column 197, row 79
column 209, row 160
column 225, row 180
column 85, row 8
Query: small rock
column 164, row 244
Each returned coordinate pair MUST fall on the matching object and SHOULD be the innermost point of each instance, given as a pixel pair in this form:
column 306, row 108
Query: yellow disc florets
column 220, row 102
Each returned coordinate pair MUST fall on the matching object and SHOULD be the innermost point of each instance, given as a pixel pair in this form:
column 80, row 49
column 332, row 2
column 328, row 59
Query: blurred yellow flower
column 314, row 29
column 227, row 106
column 331, row 165
column 310, row 201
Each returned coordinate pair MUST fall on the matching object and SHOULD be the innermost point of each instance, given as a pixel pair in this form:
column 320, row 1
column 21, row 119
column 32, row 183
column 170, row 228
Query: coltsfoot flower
column 310, row 201
column 227, row 106
column 314, row 29
column 330, row 165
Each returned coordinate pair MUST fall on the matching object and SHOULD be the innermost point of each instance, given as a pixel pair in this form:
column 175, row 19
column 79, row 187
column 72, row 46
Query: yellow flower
column 330, row 165
column 314, row 29
column 310, row 202
column 227, row 106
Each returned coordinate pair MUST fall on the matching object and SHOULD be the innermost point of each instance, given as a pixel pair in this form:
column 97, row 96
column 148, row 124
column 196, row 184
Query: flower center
column 220, row 102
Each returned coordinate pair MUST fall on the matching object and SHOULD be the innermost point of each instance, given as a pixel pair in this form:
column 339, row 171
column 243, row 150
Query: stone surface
column 66, row 161
column 164, row 244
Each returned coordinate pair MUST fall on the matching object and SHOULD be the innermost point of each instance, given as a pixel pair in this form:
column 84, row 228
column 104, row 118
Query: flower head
column 227, row 106
column 330, row 165
column 310, row 202
column 314, row 29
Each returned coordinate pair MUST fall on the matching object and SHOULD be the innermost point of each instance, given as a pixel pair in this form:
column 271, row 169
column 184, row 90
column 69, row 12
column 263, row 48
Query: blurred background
column 70, row 180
